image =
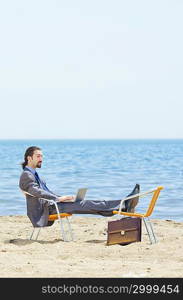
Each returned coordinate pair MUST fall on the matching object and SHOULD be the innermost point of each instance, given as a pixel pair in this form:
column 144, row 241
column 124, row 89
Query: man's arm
column 28, row 184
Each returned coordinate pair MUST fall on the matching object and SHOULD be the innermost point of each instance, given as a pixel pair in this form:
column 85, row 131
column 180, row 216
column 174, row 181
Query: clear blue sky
column 91, row 69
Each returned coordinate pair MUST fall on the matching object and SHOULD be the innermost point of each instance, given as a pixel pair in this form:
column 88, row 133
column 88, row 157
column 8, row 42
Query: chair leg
column 32, row 234
column 70, row 229
column 61, row 224
column 155, row 239
column 150, row 231
column 38, row 231
column 62, row 230
column 63, row 234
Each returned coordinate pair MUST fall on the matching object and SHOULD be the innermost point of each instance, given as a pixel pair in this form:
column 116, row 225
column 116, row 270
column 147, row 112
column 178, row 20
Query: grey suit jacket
column 37, row 208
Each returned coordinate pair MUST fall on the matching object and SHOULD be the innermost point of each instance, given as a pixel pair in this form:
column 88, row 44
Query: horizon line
column 79, row 139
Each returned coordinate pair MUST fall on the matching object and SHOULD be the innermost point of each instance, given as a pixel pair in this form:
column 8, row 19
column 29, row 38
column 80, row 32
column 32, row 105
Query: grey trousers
column 97, row 207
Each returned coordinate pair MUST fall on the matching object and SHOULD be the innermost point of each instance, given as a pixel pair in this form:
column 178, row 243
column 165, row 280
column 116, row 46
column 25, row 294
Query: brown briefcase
column 124, row 231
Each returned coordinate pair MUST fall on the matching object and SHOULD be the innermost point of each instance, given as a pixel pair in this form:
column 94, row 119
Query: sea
column 108, row 168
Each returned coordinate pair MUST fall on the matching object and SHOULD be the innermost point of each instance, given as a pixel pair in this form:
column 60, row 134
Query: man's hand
column 67, row 198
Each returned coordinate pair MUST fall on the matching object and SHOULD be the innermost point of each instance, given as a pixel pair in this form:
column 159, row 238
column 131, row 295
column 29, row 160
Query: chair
column 145, row 216
column 58, row 216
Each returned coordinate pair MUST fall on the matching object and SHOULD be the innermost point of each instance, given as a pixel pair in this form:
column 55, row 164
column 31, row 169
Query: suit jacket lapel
column 26, row 169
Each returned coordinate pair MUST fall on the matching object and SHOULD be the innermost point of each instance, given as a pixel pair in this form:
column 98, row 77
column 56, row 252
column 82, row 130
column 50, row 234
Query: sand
column 88, row 256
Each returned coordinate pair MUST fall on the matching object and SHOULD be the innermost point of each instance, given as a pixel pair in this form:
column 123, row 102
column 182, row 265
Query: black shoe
column 131, row 203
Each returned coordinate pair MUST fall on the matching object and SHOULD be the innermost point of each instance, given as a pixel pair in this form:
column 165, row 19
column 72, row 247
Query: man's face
column 36, row 160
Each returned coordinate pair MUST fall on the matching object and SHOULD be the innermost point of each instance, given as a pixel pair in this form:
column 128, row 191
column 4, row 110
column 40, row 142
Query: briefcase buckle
column 122, row 232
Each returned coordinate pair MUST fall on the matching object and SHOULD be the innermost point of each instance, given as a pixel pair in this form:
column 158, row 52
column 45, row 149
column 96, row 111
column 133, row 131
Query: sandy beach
column 88, row 256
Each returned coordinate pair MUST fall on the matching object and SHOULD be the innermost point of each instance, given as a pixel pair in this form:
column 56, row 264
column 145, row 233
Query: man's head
column 33, row 157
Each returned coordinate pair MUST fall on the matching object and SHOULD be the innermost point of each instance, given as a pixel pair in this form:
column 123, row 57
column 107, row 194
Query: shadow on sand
column 23, row 242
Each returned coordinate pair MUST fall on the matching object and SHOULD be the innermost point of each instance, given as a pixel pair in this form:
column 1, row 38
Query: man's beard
column 38, row 165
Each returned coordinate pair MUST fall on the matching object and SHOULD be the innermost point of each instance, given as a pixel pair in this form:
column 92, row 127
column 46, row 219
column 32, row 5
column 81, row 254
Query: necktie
column 37, row 178
column 41, row 183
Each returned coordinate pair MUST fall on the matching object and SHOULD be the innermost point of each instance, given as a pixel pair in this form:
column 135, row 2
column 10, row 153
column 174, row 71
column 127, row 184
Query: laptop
column 79, row 196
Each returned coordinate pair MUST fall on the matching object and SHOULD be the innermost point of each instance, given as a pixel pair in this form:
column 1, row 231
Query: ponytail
column 24, row 164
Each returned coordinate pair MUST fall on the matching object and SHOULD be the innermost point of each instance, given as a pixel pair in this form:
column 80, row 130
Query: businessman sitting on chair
column 38, row 210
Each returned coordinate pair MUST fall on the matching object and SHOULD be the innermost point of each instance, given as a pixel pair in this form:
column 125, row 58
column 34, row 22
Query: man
column 38, row 209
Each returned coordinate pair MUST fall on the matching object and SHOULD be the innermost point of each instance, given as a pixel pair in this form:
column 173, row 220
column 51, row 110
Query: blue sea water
column 108, row 168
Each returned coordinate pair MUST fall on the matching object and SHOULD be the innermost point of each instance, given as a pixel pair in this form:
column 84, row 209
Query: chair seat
column 116, row 212
column 55, row 216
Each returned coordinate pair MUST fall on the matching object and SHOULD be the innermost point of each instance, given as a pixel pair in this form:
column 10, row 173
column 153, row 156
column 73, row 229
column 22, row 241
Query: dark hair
column 29, row 152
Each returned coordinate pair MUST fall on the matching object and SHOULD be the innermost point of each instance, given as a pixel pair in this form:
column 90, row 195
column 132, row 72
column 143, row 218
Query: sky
column 95, row 69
